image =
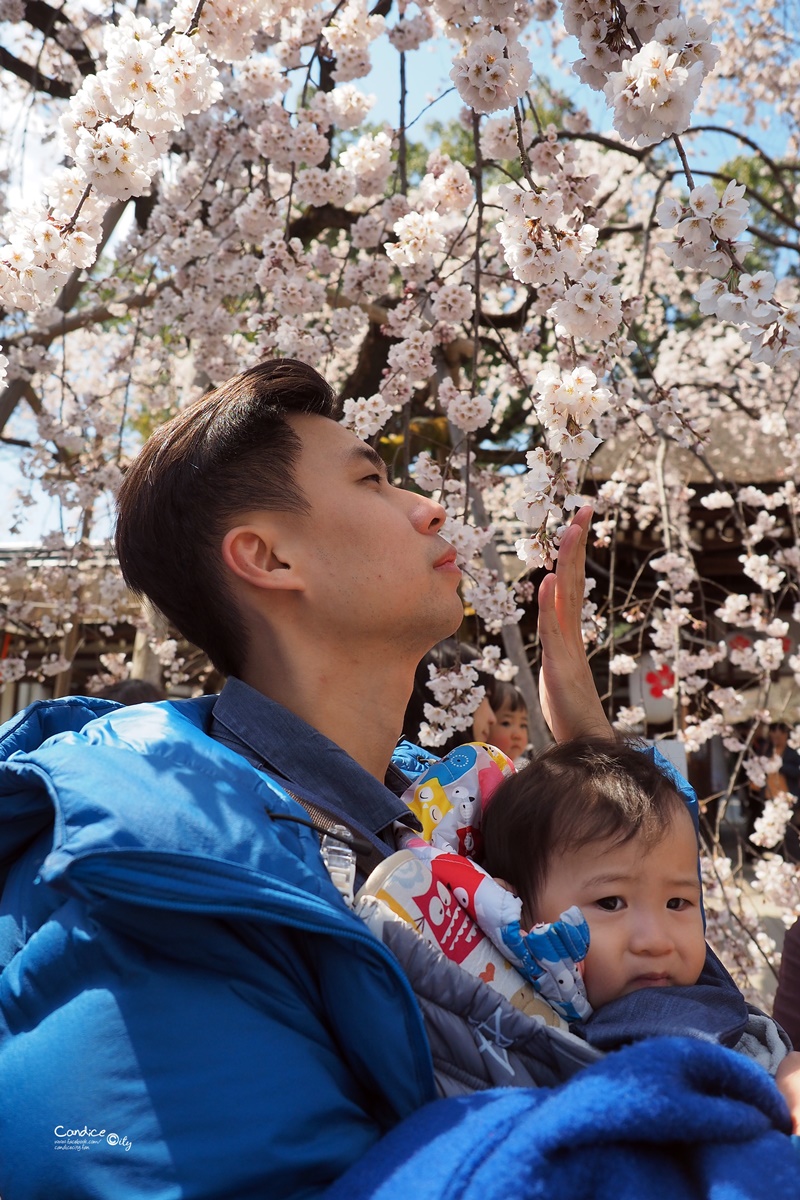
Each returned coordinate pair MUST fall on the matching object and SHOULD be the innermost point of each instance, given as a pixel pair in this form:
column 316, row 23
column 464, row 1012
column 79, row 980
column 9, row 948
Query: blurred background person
column 131, row 691
column 510, row 729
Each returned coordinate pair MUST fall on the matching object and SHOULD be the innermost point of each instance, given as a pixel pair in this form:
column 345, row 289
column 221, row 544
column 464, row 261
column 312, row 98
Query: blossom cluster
column 770, row 327
column 543, row 248
column 649, row 61
column 349, row 36
column 741, row 943
column 770, row 826
column 115, row 129
column 49, row 242
column 366, row 417
column 706, row 233
column 539, row 247
column 655, row 91
column 491, row 663
column 567, row 404
column 779, row 883
column 457, row 697
column 227, row 31
column 706, row 228
column 491, row 72
column 491, row 598
column 419, row 238
column 467, row 412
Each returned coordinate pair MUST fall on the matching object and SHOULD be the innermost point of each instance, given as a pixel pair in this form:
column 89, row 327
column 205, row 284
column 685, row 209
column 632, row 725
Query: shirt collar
column 272, row 738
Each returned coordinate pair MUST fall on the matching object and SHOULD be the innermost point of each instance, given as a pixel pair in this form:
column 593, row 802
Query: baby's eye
column 610, row 903
column 678, row 904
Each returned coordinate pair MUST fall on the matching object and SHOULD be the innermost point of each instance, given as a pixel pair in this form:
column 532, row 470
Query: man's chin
column 452, row 624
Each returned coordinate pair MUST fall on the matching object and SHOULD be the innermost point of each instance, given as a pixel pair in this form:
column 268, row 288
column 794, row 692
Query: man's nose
column 426, row 515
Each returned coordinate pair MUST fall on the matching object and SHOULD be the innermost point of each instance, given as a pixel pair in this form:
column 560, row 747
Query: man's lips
column 447, row 562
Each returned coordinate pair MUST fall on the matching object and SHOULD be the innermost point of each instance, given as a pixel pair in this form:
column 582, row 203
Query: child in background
column 597, row 825
column 510, row 729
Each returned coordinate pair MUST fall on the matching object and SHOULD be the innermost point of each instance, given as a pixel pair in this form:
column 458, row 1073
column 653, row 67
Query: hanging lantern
column 649, row 686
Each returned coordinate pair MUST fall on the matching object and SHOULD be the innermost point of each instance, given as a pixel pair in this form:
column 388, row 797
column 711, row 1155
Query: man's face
column 373, row 564
column 642, row 904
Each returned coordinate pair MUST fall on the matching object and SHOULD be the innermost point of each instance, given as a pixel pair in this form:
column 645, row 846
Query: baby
column 599, row 825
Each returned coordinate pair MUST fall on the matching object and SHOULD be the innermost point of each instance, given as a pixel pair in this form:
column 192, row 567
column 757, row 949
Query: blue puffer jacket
column 183, row 988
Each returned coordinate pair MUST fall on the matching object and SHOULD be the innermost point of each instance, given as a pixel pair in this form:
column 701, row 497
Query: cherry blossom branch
column 478, row 179
column 30, row 73
column 684, row 160
column 429, row 106
column 775, row 167
column 50, row 22
column 92, row 316
column 523, row 153
column 767, row 205
column 402, row 167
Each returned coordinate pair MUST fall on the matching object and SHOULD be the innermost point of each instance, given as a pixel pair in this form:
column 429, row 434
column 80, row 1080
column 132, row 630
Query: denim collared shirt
column 274, row 740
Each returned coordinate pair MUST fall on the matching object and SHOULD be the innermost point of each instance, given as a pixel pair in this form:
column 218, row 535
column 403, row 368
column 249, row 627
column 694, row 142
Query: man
column 323, row 584
column 187, row 1007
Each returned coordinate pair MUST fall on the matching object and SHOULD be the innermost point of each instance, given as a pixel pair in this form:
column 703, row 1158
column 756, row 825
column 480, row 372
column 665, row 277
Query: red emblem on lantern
column 659, row 681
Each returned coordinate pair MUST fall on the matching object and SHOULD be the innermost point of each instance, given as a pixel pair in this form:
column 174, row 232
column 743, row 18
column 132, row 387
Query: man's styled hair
column 572, row 794
column 230, row 452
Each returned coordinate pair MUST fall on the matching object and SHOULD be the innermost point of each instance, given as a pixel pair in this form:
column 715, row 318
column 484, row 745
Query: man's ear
column 252, row 553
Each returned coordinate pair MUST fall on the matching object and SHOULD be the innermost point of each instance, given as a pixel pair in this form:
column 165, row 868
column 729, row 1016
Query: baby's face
column 642, row 905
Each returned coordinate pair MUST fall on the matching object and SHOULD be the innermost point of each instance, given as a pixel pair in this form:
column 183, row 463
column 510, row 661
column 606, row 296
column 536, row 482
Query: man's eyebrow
column 372, row 457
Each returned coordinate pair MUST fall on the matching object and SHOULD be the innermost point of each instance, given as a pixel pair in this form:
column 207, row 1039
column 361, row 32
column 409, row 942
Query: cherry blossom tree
column 563, row 299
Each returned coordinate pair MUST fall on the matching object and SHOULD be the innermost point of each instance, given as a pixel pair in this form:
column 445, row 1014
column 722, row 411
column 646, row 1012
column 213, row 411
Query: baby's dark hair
column 581, row 791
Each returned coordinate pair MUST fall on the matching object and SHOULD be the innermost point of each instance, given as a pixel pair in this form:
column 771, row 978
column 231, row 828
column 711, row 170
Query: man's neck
column 358, row 704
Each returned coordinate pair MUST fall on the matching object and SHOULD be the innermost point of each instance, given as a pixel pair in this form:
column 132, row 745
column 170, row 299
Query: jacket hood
column 26, row 803
column 145, row 807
